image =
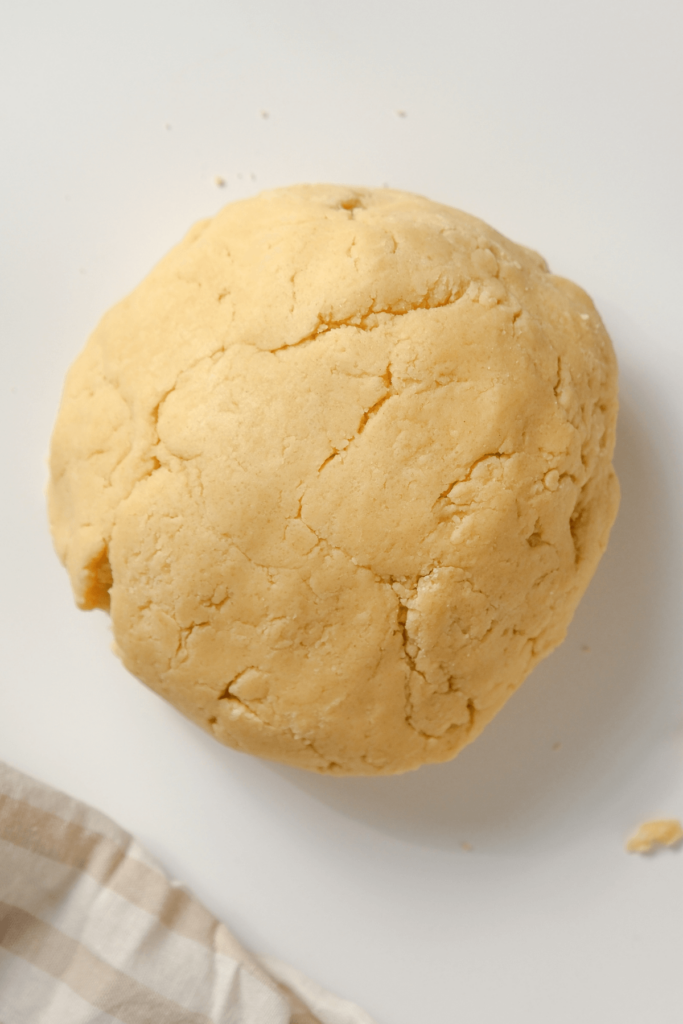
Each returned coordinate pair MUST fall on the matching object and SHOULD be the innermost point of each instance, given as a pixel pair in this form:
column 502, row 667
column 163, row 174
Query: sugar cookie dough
column 661, row 832
column 340, row 468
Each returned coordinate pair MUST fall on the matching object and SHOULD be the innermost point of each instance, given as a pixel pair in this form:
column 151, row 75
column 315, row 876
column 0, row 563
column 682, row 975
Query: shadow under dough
column 593, row 696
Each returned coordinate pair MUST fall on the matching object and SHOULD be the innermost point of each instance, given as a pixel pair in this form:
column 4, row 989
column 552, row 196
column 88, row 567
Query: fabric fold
column 92, row 930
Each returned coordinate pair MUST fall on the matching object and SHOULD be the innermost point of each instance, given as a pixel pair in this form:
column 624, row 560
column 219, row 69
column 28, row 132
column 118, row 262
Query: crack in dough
column 371, row 319
column 341, row 469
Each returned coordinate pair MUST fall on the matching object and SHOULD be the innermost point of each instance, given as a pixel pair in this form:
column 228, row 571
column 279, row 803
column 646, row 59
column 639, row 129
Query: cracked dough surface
column 340, row 468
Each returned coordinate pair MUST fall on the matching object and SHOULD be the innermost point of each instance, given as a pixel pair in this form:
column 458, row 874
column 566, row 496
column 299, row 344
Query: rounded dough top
column 340, row 467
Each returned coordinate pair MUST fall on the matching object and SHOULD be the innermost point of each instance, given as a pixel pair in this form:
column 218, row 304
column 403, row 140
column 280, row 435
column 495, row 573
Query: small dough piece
column 662, row 832
column 341, row 469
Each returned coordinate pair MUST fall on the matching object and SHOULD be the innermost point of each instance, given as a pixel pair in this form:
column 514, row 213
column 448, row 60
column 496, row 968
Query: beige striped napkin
column 92, row 930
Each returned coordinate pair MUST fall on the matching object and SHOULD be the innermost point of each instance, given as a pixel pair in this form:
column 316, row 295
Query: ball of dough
column 340, row 468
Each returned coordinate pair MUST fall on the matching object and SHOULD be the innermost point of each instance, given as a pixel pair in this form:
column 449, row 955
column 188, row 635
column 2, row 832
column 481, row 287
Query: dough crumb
column 556, row 746
column 662, row 832
column 401, row 113
column 467, row 847
column 219, row 182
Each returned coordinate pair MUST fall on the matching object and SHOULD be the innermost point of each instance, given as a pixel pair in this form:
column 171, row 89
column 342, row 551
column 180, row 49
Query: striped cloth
column 93, row 932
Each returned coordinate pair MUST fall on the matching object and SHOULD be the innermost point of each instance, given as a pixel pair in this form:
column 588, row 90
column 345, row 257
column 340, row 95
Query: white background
column 560, row 124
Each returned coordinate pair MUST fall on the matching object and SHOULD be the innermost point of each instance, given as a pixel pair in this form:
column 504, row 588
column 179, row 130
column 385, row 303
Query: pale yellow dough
column 342, row 464
column 661, row 832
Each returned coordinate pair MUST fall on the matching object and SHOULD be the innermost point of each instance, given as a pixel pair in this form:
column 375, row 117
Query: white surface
column 558, row 123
